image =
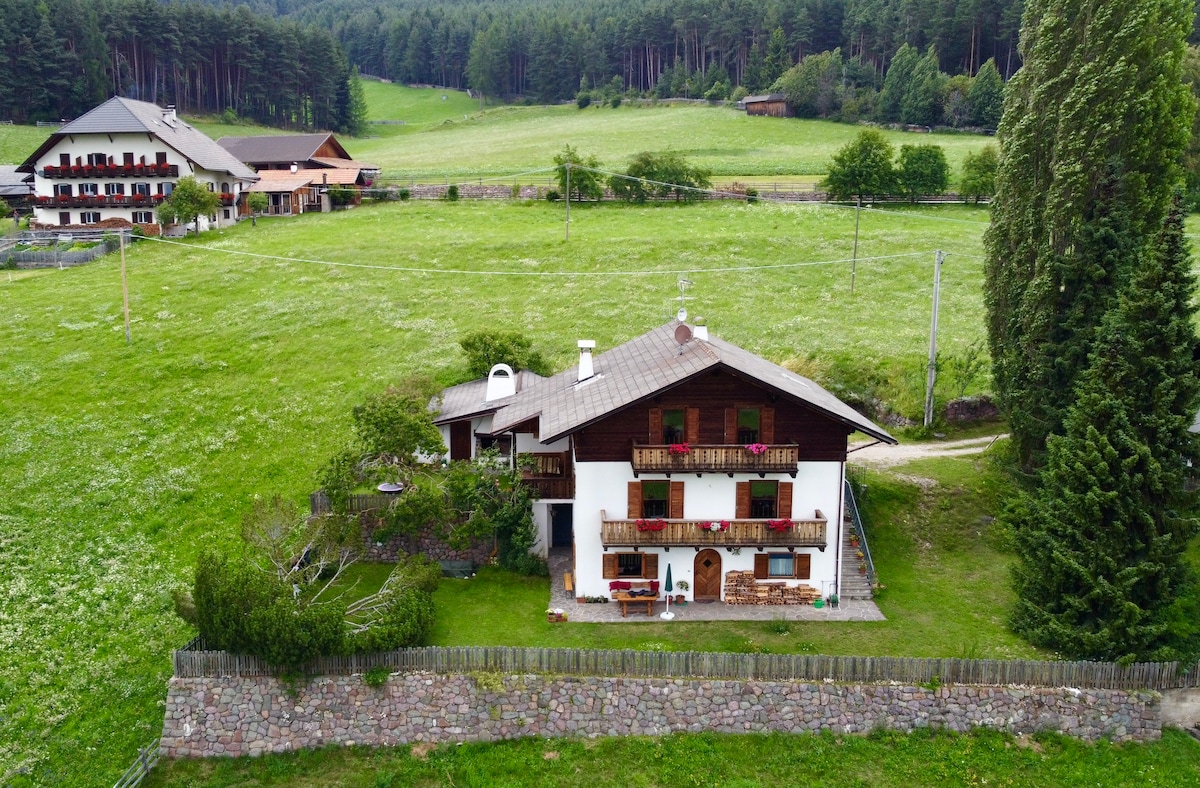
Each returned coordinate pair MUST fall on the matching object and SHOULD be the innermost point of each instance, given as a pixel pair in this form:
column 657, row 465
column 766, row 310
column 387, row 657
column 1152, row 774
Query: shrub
column 404, row 194
column 406, row 620
column 615, row 102
column 751, row 195
column 583, row 100
column 485, row 349
column 553, row 195
column 452, row 192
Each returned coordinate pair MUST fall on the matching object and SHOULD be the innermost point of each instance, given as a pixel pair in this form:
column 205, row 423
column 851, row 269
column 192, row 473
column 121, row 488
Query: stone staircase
column 854, row 585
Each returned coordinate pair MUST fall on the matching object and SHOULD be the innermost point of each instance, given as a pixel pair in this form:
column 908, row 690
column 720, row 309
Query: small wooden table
column 628, row 599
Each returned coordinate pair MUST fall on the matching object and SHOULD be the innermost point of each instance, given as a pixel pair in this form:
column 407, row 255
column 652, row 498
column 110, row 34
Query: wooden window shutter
column 761, row 562
column 766, row 425
column 635, row 500
column 675, row 512
column 610, row 566
column 803, row 566
column 783, row 506
column 730, row 426
column 691, row 425
column 742, row 506
column 650, row 566
column 655, row 427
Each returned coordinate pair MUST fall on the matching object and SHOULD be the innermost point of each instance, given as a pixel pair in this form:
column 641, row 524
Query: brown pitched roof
column 466, row 399
column 126, row 115
column 647, row 365
column 279, row 148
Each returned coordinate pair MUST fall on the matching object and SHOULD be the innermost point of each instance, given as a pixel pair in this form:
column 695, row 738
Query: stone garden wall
column 425, row 543
column 251, row 716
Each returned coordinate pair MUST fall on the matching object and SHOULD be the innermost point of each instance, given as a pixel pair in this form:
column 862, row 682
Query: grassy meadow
column 119, row 462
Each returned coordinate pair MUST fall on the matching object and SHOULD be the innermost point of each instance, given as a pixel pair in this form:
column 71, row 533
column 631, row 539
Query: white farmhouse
column 121, row 159
column 680, row 448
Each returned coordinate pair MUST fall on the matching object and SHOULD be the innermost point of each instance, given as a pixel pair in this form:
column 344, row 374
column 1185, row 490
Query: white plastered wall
column 604, row 485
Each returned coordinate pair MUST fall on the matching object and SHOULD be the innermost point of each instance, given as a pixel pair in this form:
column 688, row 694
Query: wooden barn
column 773, row 104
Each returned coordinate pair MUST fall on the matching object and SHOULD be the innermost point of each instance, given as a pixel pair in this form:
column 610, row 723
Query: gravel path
column 884, row 456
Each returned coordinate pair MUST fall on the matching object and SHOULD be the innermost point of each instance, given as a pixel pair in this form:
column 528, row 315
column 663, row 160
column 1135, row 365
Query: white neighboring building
column 643, row 449
column 121, row 159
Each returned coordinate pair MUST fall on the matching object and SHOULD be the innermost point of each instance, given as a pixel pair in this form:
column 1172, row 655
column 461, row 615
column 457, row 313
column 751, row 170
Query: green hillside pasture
column 508, row 140
column 18, row 143
column 922, row 759
column 419, row 108
column 119, row 462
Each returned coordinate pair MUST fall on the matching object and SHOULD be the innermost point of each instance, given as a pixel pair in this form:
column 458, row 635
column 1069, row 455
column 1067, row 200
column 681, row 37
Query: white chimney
column 501, row 383
column 700, row 331
column 169, row 112
column 585, row 358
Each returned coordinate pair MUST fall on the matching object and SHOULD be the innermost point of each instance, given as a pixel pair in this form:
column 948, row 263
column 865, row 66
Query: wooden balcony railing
column 688, row 533
column 549, row 473
column 112, row 171
column 140, row 201
column 716, row 459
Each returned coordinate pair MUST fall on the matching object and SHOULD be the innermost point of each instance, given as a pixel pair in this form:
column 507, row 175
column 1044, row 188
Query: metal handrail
column 856, row 521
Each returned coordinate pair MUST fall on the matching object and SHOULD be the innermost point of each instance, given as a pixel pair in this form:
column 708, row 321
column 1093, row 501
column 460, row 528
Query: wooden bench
column 569, row 584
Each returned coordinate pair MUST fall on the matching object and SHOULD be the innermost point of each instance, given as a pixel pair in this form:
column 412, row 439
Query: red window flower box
column 780, row 526
column 651, row 525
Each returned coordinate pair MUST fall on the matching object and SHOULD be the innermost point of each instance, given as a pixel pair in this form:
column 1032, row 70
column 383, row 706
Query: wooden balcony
column 111, row 171
column 716, row 459
column 742, row 533
column 137, row 201
column 549, row 473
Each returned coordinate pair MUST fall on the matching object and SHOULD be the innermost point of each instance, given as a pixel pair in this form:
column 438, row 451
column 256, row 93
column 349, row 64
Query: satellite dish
column 683, row 334
column 681, row 315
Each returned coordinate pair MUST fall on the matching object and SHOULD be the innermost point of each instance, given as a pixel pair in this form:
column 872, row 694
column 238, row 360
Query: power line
column 467, row 272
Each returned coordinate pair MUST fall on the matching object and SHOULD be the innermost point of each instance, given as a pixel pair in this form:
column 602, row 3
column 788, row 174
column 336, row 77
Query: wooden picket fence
column 194, row 662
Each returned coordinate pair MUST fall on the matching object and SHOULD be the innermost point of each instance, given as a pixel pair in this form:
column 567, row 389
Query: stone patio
column 560, row 562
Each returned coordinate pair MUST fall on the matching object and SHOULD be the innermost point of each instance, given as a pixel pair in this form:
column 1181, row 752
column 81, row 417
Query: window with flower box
column 793, row 566
column 641, row 565
column 62, row 190
column 763, row 499
column 88, row 190
column 655, row 499
column 141, row 189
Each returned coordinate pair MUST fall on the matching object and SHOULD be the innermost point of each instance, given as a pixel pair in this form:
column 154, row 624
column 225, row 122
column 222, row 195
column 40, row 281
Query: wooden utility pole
column 854, row 259
column 125, row 291
column 931, row 374
column 568, row 166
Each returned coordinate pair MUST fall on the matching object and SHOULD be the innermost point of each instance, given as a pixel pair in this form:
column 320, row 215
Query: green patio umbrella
column 669, row 586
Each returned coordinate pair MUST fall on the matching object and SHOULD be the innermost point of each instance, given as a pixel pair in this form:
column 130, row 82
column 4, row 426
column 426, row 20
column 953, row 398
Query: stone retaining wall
column 251, row 716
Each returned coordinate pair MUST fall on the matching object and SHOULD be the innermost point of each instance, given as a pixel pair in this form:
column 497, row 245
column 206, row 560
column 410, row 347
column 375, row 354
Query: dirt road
column 885, row 456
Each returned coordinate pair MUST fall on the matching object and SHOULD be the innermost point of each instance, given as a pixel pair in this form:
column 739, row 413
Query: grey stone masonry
column 232, row 716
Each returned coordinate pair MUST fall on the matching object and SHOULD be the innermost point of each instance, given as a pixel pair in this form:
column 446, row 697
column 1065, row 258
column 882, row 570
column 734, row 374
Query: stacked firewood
column 741, row 588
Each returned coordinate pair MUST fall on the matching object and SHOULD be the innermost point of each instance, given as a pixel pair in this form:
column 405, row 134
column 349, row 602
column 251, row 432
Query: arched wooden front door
column 707, row 575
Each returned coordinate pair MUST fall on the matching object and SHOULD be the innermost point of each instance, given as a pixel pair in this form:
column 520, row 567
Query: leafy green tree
column 862, row 168
column 257, row 203
column 1102, row 541
column 395, row 426
column 586, row 182
column 487, row 348
column 813, row 87
column 923, row 171
column 979, row 174
column 661, row 175
column 986, row 96
column 1094, row 125
column 187, row 203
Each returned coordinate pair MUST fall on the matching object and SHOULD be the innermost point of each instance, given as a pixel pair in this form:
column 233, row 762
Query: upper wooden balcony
column 776, row 458
column 111, row 171
column 811, row 532
column 549, row 473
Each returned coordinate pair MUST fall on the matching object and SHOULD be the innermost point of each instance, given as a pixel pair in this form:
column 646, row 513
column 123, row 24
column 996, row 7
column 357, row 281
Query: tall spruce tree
column 1093, row 127
column 1102, row 572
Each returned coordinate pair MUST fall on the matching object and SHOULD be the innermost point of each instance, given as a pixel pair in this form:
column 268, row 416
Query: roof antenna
column 682, row 314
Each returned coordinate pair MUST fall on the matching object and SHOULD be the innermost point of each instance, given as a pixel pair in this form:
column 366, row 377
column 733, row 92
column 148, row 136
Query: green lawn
column 118, row 462
column 881, row 760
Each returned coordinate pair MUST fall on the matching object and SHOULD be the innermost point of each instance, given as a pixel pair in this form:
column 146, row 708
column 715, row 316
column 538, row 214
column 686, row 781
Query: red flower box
column 651, row 525
column 680, row 448
column 780, row 526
